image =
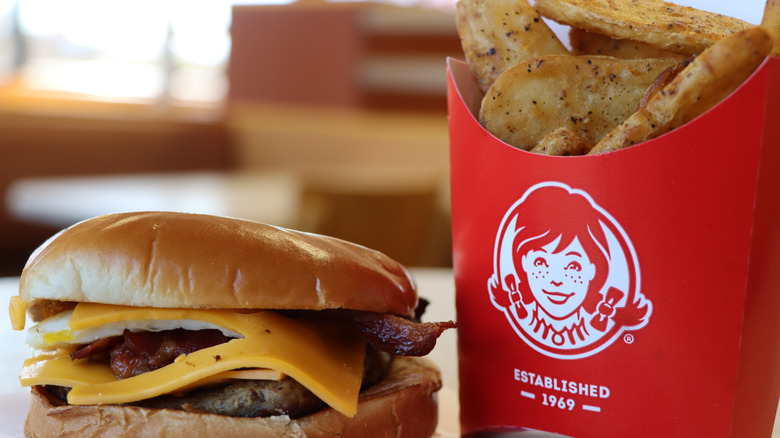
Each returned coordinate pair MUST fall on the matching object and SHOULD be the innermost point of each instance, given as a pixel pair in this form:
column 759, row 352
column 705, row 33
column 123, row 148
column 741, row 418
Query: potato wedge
column 497, row 34
column 679, row 29
column 771, row 23
column 587, row 94
column 588, row 43
column 663, row 80
column 562, row 142
column 712, row 76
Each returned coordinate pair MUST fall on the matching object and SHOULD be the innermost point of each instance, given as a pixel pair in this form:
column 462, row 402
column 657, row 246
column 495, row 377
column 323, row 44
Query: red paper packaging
column 629, row 294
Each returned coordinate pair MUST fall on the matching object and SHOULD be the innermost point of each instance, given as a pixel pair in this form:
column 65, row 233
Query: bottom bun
column 404, row 404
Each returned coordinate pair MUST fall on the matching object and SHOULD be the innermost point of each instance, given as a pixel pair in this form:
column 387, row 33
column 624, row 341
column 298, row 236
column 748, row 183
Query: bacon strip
column 146, row 351
column 136, row 353
column 96, row 347
column 132, row 353
column 398, row 335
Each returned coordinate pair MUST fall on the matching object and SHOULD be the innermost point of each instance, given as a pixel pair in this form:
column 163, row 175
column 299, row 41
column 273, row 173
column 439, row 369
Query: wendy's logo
column 565, row 274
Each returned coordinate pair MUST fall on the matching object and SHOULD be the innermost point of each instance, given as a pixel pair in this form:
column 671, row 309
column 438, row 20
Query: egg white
column 55, row 332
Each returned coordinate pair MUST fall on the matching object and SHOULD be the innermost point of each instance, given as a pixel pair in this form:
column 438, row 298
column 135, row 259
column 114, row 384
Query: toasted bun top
column 181, row 260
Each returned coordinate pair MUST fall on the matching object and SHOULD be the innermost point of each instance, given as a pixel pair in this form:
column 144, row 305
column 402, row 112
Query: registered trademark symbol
column 628, row 338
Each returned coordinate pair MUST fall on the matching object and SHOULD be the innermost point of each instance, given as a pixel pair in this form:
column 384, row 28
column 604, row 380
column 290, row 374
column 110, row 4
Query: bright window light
column 104, row 79
column 117, row 49
column 122, row 30
column 140, row 49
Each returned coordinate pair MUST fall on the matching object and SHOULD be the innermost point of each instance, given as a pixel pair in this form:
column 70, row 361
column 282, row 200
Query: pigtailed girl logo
column 565, row 273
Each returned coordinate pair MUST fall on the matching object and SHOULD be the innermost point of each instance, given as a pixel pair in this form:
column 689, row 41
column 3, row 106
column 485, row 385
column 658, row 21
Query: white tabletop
column 270, row 197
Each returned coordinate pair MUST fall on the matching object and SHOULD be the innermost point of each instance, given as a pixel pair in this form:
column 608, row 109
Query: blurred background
column 318, row 115
column 323, row 116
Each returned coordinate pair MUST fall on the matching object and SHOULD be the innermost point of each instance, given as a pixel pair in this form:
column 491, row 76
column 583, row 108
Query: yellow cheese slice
column 56, row 368
column 325, row 357
column 62, row 371
column 89, row 315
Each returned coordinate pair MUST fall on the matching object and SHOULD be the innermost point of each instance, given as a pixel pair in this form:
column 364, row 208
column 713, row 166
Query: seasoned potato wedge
column 679, row 29
column 497, row 34
column 712, row 76
column 588, row 94
column 562, row 142
column 663, row 80
column 588, row 43
column 771, row 23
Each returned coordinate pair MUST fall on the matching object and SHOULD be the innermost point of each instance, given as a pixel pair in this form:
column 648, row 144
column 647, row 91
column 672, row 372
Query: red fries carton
column 629, row 294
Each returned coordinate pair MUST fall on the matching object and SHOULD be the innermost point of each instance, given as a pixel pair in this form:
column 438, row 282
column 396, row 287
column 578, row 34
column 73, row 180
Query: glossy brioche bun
column 181, row 260
column 403, row 405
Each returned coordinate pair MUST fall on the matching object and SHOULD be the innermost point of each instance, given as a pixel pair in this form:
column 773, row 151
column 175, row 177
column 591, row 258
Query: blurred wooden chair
column 396, row 211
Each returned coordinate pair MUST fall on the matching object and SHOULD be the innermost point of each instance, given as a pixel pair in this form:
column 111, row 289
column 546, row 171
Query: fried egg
column 55, row 332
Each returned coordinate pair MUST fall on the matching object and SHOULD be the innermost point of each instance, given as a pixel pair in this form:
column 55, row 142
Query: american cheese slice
column 56, row 368
column 62, row 371
column 90, row 315
column 325, row 357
